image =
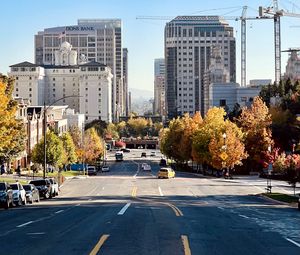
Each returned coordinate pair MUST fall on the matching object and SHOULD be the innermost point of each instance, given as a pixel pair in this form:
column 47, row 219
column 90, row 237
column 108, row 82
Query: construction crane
column 243, row 19
column 274, row 12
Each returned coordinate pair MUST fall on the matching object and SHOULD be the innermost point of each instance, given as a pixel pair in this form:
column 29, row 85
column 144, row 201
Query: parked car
column 32, row 193
column 146, row 167
column 144, row 154
column 152, row 153
column 91, row 170
column 44, row 187
column 105, row 168
column 163, row 162
column 6, row 195
column 125, row 150
column 54, row 187
column 166, row 172
column 19, row 194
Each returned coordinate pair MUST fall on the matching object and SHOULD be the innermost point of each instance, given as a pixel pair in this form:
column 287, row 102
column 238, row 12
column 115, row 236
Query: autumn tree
column 55, row 153
column 69, row 147
column 170, row 140
column 190, row 125
column 93, row 146
column 137, row 125
column 255, row 123
column 12, row 130
column 112, row 131
column 212, row 126
column 228, row 151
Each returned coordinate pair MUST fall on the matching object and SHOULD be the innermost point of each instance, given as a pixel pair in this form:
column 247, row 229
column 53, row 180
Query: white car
column 146, row 167
column 19, row 194
column 105, row 168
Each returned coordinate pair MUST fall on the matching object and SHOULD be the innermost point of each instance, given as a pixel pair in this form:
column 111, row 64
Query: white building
column 228, row 94
column 260, row 82
column 292, row 70
column 74, row 119
column 99, row 40
column 188, row 45
column 159, row 86
column 85, row 87
column 29, row 82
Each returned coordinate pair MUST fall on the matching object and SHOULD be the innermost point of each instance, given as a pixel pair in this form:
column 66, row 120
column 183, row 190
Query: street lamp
column 45, row 129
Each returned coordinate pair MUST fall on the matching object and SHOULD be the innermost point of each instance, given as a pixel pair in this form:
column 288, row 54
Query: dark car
column 32, row 193
column 125, row 150
column 6, row 195
column 44, row 187
column 163, row 162
column 91, row 170
column 144, row 154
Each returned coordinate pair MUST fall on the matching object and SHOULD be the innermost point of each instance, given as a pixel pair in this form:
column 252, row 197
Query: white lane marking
column 221, row 208
column 123, row 210
column 22, row 225
column 77, row 205
column 37, row 233
column 160, row 192
column 290, row 240
column 60, row 211
column 243, row 216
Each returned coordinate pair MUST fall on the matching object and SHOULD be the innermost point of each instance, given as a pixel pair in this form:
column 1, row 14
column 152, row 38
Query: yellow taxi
column 166, row 172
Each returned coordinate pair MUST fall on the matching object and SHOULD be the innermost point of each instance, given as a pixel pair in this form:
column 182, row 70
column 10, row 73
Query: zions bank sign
column 77, row 28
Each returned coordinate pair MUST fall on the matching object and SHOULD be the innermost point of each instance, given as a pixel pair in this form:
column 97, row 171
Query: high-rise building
column 125, row 80
column 98, row 40
column 159, row 86
column 292, row 70
column 188, row 44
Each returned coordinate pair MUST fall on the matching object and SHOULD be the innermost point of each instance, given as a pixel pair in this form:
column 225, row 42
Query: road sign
column 223, row 155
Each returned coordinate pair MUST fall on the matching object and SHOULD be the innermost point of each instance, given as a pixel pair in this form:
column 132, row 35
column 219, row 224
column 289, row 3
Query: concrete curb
column 292, row 205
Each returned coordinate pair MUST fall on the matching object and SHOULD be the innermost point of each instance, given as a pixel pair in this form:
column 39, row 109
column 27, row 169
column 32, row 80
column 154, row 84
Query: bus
column 119, row 156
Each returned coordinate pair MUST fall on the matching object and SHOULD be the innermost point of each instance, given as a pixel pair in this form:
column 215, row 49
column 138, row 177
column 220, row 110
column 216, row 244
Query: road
column 128, row 211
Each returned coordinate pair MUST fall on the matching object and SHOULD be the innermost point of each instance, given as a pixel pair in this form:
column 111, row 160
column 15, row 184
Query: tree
column 230, row 151
column 69, row 148
column 137, row 125
column 12, row 131
column 213, row 124
column 55, row 153
column 255, row 123
column 112, row 131
column 93, row 146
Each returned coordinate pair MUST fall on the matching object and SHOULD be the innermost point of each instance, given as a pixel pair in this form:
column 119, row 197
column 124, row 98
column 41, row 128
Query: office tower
column 159, row 86
column 97, row 40
column 188, row 44
column 125, row 80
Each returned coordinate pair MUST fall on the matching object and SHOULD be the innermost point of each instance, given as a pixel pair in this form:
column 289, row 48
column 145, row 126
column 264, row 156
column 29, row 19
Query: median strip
column 99, row 244
column 175, row 209
column 133, row 193
column 123, row 210
column 186, row 246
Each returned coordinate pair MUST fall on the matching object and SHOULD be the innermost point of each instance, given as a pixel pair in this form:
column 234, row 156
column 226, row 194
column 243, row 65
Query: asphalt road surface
column 128, row 211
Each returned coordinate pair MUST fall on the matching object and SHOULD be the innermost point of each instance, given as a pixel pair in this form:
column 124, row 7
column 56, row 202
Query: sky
column 21, row 19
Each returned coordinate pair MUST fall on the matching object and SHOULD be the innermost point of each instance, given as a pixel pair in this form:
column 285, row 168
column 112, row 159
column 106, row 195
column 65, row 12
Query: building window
column 17, row 89
column 30, row 89
column 222, row 102
column 86, row 88
column 53, row 79
column 30, row 95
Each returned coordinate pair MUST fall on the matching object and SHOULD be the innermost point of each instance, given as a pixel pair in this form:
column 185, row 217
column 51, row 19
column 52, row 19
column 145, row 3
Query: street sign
column 223, row 155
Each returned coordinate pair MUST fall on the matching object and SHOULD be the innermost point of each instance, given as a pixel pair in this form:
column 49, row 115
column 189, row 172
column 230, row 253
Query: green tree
column 112, row 131
column 55, row 153
column 69, row 148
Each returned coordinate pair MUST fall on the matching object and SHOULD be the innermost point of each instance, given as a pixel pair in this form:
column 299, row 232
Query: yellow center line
column 99, row 244
column 133, row 193
column 186, row 246
column 175, row 209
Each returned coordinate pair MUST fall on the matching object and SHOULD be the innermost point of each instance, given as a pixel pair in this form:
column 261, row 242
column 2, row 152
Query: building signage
column 77, row 28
